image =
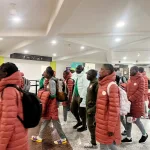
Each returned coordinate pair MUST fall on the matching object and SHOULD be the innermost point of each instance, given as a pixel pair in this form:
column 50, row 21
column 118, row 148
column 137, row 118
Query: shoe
column 90, row 146
column 36, row 139
column 126, row 140
column 124, row 133
column 82, row 129
column 61, row 141
column 143, row 138
column 77, row 125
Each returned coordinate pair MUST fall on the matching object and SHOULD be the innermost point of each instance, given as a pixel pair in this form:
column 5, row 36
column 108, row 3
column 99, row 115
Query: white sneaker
column 90, row 146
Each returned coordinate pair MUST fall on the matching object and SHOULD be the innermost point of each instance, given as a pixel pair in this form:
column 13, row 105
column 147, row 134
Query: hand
column 110, row 133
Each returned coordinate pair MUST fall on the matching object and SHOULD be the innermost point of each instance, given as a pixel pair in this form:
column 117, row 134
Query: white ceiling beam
column 77, row 55
column 130, row 43
column 22, row 33
column 78, row 35
column 76, row 41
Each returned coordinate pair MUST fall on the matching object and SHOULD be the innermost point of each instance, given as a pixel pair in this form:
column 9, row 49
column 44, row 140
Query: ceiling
column 76, row 23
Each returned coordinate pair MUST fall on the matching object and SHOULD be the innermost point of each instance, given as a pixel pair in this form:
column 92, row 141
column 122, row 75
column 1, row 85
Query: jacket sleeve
column 85, row 83
column 52, row 86
column 113, row 108
column 8, row 117
column 139, row 91
column 92, row 110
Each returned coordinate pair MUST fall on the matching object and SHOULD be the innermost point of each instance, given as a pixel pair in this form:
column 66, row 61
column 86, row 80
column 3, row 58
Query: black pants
column 77, row 111
column 91, row 126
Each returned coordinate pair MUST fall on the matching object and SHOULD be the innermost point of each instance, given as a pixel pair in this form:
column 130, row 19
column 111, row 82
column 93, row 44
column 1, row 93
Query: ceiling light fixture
column 54, row 55
column 82, row 47
column 138, row 54
column 120, row 24
column 118, row 39
column 124, row 58
column 53, row 42
column 16, row 19
column 1, row 39
column 26, row 51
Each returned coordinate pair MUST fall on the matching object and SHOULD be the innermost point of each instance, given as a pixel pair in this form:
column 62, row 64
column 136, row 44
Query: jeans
column 139, row 125
column 91, row 127
column 77, row 111
column 57, row 126
column 107, row 147
column 65, row 112
column 123, row 121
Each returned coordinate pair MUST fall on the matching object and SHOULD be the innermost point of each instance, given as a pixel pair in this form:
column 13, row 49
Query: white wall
column 61, row 67
column 32, row 69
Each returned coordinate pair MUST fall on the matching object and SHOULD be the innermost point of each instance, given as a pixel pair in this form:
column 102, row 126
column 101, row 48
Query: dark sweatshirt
column 91, row 97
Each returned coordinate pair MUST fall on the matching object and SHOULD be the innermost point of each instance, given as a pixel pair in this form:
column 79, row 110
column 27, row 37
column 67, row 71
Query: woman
column 108, row 110
column 52, row 110
column 70, row 85
column 13, row 135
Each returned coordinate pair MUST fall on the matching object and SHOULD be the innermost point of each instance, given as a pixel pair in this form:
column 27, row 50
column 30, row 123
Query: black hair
column 50, row 71
column 135, row 68
column 67, row 71
column 141, row 69
column 109, row 67
column 94, row 72
column 80, row 66
column 9, row 67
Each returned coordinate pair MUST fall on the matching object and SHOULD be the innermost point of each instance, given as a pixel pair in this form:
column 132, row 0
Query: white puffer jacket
column 83, row 84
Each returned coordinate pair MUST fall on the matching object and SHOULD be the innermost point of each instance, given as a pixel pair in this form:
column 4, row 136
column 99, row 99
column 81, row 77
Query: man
column 135, row 93
column 91, row 106
column 79, row 99
column 141, row 70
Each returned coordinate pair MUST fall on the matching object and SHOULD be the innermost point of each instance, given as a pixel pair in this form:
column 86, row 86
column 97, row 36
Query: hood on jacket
column 15, row 78
column 138, row 75
column 107, row 79
column 81, row 74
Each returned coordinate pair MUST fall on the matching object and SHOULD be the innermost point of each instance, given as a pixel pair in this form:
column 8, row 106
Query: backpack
column 125, row 104
column 61, row 91
column 32, row 108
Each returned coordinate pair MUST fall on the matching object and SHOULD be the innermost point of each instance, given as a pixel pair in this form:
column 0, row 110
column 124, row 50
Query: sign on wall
column 30, row 57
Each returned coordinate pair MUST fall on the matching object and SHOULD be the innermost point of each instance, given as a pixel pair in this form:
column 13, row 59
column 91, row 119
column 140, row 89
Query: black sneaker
column 143, row 139
column 77, row 125
column 124, row 133
column 126, row 140
column 82, row 129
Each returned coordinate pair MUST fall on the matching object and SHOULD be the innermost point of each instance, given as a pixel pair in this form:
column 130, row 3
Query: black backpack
column 32, row 108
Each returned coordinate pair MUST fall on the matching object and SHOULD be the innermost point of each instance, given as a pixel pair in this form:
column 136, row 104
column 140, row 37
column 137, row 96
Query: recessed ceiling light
column 124, row 58
column 138, row 54
column 26, row 51
column 120, row 24
column 54, row 42
column 16, row 19
column 82, row 47
column 118, row 39
column 1, row 39
column 54, row 55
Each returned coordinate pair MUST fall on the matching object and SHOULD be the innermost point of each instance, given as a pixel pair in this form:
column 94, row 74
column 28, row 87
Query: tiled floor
column 77, row 140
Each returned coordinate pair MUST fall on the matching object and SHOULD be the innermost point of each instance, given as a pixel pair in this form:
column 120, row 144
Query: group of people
column 88, row 99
